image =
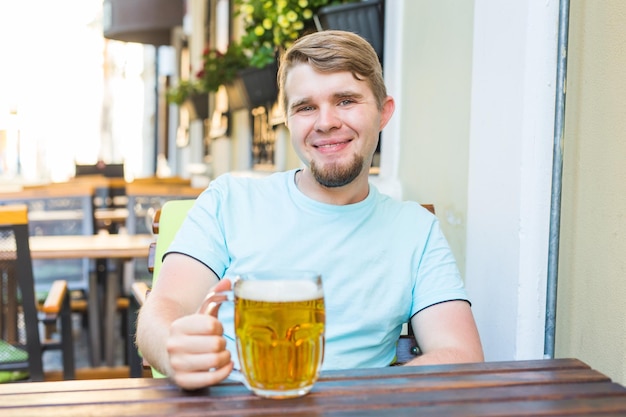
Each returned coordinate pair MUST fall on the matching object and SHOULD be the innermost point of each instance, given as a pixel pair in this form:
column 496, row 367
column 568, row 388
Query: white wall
column 511, row 136
column 433, row 108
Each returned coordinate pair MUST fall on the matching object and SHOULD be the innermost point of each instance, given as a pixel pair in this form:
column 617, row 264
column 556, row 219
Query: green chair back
column 173, row 213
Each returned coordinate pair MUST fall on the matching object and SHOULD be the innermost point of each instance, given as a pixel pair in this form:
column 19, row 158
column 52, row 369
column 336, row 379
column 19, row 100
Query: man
column 382, row 262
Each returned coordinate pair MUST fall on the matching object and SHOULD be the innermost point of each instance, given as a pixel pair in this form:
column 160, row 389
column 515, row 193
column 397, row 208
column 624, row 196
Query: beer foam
column 279, row 290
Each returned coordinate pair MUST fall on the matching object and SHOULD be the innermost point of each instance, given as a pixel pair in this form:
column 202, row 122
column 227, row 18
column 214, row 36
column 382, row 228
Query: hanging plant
column 269, row 28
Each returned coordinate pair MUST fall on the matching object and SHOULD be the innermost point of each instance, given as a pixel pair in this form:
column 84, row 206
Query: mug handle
column 210, row 306
column 213, row 300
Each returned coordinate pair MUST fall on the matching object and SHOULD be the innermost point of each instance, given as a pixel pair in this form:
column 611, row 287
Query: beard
column 336, row 175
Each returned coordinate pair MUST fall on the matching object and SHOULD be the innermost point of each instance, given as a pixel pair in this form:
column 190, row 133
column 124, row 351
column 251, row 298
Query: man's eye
column 305, row 108
column 346, row 102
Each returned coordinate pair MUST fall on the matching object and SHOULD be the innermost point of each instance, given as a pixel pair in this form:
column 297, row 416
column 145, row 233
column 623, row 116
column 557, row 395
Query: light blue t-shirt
column 381, row 260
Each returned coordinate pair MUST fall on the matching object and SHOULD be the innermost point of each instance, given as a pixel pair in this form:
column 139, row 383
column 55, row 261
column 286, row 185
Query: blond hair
column 334, row 51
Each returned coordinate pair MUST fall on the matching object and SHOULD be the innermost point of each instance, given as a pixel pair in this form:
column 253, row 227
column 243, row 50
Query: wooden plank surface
column 90, row 246
column 564, row 387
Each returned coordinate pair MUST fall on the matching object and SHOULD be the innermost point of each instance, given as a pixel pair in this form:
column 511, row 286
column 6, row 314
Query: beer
column 280, row 334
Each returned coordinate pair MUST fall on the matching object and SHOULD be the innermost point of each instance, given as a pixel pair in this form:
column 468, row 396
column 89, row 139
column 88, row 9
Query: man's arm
column 172, row 337
column 446, row 333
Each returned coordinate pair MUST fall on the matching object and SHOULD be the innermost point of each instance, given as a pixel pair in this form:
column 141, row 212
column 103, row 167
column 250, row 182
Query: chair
column 174, row 212
column 407, row 347
column 145, row 197
column 58, row 209
column 21, row 347
column 64, row 209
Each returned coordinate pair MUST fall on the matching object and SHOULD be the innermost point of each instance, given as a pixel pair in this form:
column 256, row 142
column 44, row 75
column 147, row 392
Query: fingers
column 201, row 379
column 195, row 343
column 194, row 362
column 223, row 285
column 197, row 352
column 196, row 324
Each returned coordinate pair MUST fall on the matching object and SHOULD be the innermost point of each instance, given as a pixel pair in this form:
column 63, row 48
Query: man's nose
column 327, row 119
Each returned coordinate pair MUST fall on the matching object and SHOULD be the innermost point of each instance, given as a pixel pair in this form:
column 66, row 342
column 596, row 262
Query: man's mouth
column 331, row 145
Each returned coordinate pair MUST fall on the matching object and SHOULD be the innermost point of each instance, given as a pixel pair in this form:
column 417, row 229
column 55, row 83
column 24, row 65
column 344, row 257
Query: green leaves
column 270, row 26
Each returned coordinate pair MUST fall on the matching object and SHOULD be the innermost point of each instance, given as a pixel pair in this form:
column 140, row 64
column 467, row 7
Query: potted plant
column 269, row 28
column 217, row 69
column 272, row 26
column 249, row 64
column 190, row 94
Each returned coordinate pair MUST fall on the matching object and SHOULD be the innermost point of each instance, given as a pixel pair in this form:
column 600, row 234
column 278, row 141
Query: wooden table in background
column 561, row 387
column 101, row 246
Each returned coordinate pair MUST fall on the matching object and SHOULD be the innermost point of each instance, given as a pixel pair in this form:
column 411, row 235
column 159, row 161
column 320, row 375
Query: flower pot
column 198, row 106
column 365, row 18
column 253, row 87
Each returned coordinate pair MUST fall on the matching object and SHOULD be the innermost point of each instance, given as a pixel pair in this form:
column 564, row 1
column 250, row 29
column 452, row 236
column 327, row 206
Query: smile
column 331, row 145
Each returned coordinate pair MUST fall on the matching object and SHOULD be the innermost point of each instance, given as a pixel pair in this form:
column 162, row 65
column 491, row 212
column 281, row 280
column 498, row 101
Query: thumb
column 218, row 294
column 223, row 284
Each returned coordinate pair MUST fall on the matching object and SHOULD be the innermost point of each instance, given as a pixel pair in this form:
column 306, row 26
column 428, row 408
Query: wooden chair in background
column 58, row 209
column 63, row 209
column 21, row 346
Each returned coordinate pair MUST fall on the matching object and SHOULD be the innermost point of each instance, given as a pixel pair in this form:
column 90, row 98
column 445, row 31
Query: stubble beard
column 337, row 175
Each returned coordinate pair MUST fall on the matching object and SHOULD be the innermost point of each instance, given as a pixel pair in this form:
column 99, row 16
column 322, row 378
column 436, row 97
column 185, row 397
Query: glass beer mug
column 279, row 329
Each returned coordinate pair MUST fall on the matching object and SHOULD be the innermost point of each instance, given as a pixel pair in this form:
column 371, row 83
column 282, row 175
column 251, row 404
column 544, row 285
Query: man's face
column 334, row 123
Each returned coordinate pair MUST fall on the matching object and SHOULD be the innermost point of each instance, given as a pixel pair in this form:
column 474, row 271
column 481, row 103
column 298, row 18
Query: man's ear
column 389, row 106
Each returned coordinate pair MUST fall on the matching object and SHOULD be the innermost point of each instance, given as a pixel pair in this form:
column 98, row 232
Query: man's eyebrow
column 348, row 94
column 299, row 102
column 338, row 96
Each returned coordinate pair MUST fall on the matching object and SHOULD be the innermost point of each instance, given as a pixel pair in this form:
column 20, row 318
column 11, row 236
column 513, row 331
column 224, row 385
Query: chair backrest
column 407, row 347
column 20, row 346
column 171, row 217
column 58, row 209
column 144, row 196
column 174, row 213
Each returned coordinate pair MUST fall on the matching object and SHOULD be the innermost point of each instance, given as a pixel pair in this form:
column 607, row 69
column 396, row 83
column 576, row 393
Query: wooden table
column 100, row 247
column 562, row 387
column 90, row 246
column 110, row 218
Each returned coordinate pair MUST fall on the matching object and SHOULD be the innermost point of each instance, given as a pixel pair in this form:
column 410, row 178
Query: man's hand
column 197, row 349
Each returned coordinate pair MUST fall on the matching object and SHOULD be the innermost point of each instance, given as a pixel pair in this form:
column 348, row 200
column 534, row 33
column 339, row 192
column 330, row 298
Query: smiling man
column 383, row 262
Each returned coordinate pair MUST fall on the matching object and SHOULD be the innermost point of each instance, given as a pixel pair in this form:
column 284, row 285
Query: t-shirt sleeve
column 437, row 277
column 201, row 235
